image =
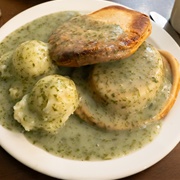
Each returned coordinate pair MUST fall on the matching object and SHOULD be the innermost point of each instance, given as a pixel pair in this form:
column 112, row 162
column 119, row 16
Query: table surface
column 167, row 169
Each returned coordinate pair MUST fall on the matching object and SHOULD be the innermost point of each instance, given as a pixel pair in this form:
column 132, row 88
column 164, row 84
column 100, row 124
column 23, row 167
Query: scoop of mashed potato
column 50, row 103
column 31, row 59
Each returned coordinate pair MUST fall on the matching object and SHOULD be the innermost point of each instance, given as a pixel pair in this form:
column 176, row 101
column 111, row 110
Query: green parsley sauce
column 76, row 139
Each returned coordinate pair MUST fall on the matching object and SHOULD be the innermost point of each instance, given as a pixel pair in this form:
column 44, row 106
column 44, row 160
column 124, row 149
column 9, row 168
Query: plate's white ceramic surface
column 39, row 160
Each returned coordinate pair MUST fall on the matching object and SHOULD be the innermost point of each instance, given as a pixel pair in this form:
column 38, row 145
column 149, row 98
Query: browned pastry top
column 108, row 34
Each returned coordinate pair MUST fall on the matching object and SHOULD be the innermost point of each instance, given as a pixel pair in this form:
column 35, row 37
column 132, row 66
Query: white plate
column 39, row 160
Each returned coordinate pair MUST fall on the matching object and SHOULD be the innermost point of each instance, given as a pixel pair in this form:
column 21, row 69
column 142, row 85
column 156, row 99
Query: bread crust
column 136, row 28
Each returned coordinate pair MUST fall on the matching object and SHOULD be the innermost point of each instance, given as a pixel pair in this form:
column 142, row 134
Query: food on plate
column 129, row 93
column 56, row 118
column 48, row 106
column 108, row 34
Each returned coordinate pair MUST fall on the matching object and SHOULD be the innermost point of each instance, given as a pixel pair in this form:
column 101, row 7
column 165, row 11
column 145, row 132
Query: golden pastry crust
column 136, row 28
column 84, row 112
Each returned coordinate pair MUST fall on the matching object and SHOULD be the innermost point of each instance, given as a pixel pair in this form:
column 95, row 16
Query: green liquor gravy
column 76, row 139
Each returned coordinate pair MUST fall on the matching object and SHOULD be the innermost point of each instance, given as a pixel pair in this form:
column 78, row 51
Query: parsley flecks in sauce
column 77, row 139
column 66, row 39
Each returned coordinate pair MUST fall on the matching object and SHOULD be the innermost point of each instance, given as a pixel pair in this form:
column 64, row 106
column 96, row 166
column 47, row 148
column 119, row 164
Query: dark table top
column 167, row 169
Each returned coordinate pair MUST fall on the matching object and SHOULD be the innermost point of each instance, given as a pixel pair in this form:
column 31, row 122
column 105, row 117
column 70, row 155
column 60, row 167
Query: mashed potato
column 50, row 103
column 28, row 62
column 31, row 59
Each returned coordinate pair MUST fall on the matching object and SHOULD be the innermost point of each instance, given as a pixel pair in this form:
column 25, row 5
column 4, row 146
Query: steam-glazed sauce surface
column 77, row 139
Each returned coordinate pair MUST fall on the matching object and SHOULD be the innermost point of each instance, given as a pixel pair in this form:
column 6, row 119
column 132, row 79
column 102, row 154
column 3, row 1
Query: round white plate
column 39, row 160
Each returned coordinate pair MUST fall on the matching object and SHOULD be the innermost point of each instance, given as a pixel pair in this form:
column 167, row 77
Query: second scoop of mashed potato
column 50, row 103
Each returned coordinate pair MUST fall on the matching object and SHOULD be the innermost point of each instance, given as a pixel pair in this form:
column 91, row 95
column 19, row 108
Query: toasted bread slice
column 109, row 34
column 114, row 116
